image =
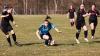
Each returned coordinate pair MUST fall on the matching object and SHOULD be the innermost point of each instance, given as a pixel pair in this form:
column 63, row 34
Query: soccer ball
column 52, row 43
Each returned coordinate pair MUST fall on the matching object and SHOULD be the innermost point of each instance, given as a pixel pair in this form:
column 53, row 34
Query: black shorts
column 93, row 21
column 50, row 37
column 71, row 17
column 80, row 24
column 5, row 28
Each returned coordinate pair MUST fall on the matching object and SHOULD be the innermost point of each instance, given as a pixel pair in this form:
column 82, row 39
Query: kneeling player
column 43, row 32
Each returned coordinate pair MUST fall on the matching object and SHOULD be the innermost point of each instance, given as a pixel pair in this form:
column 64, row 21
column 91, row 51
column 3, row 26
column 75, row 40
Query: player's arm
column 14, row 23
column 85, row 15
column 53, row 26
column 89, row 13
column 57, row 30
column 98, row 13
column 37, row 34
column 75, row 14
column 4, row 16
column 12, row 20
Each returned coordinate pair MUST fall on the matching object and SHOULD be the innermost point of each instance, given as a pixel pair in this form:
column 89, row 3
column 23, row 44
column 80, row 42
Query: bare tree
column 56, row 6
column 47, row 9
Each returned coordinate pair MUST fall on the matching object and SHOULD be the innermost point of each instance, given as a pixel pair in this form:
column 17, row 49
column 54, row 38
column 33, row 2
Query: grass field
column 66, row 45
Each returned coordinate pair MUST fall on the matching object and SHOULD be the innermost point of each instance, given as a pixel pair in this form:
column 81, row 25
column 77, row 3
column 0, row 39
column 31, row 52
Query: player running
column 71, row 14
column 43, row 32
column 6, row 26
column 80, row 22
column 93, row 13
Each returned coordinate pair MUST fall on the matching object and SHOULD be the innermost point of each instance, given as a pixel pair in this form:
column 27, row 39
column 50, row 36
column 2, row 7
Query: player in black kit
column 6, row 26
column 71, row 14
column 93, row 13
column 80, row 23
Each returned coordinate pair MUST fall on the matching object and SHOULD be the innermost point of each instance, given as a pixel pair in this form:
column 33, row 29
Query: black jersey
column 7, row 18
column 80, row 21
column 80, row 14
column 71, row 13
column 93, row 15
column 10, row 17
column 5, row 22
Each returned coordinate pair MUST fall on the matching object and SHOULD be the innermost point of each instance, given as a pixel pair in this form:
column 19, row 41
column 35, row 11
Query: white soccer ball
column 52, row 42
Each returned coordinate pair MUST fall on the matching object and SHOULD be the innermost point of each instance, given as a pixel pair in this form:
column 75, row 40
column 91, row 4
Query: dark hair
column 46, row 20
column 47, row 17
column 4, row 13
column 94, row 4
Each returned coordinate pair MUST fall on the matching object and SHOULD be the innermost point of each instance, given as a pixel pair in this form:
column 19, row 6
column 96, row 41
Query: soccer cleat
column 52, row 43
column 77, row 41
column 46, row 45
column 86, row 39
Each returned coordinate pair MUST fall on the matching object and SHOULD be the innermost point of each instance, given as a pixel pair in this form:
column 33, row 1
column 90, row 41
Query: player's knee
column 92, row 26
column 85, row 28
column 7, row 36
column 78, row 31
column 12, row 32
column 46, row 37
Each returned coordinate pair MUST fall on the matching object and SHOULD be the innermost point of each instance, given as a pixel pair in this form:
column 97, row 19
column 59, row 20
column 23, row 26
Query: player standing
column 71, row 14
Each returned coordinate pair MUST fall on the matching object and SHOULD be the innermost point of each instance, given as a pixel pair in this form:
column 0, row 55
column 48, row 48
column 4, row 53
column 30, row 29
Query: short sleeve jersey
column 45, row 29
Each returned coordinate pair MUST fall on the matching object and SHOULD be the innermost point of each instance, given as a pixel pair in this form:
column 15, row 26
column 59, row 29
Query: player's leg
column 7, row 36
column 51, row 41
column 14, row 37
column 93, row 27
column 85, row 33
column 77, row 36
column 8, row 39
column 92, row 30
column 78, row 27
column 71, row 22
column 5, row 31
column 46, row 38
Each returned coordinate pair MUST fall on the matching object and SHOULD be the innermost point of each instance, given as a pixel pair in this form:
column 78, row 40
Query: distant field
column 66, row 45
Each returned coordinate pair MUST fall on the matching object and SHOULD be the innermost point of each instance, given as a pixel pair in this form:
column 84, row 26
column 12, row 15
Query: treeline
column 45, row 6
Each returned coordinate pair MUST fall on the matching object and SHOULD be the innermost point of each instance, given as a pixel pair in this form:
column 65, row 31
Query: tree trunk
column 56, row 6
column 24, row 6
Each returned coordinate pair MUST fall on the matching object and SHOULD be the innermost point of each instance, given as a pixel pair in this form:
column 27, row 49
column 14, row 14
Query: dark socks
column 92, row 32
column 85, row 34
column 72, row 23
column 9, row 41
column 14, row 37
column 46, row 42
column 77, row 35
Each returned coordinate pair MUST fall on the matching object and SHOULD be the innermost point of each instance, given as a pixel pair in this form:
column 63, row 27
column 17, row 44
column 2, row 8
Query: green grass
column 34, row 47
